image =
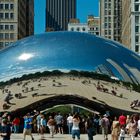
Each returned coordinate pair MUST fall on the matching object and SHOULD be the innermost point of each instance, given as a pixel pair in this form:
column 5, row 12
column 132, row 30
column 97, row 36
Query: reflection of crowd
column 135, row 103
column 76, row 124
column 102, row 88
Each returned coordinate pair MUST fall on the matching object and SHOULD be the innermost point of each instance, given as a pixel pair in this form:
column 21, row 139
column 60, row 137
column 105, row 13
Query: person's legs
column 78, row 134
column 24, row 134
column 89, row 132
column 73, row 134
column 69, row 127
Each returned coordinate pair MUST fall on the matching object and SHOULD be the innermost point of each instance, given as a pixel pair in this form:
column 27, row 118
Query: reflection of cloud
column 10, row 66
column 25, row 56
column 20, row 71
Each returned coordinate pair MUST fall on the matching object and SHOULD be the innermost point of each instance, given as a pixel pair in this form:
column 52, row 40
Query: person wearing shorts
column 27, row 126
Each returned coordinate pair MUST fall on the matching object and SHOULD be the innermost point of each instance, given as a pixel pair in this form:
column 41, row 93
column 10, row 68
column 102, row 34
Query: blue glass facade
column 69, row 51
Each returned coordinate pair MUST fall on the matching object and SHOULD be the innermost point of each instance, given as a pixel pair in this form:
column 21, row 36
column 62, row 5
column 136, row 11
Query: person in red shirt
column 16, row 123
column 122, row 120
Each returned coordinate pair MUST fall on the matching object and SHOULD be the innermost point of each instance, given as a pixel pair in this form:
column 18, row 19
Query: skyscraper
column 58, row 14
column 111, row 19
column 16, row 20
column 131, row 24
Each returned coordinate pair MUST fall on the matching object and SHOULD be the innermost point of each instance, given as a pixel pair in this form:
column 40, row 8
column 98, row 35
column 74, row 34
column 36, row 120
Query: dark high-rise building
column 29, row 17
column 58, row 14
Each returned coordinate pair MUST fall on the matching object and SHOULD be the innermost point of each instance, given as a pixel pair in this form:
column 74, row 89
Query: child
column 122, row 133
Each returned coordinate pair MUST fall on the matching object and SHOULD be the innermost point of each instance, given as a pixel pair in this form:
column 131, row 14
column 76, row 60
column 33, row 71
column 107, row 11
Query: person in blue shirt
column 27, row 126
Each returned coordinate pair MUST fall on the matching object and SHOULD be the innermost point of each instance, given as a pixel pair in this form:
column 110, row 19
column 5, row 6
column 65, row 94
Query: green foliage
column 66, row 109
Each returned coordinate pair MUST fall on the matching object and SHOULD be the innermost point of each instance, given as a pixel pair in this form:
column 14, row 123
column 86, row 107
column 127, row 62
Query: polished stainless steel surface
column 69, row 51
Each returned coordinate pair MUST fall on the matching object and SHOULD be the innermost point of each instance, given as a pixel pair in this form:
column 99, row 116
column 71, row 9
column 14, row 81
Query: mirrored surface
column 67, row 51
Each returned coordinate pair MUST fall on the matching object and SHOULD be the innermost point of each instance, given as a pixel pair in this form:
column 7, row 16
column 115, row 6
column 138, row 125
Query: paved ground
column 60, row 137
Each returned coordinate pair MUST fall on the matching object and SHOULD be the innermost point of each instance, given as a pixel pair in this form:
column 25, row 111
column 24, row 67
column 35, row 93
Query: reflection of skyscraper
column 16, row 17
column 58, row 14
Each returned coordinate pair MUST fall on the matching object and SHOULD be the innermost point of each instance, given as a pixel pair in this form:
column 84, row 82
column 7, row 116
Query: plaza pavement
column 60, row 137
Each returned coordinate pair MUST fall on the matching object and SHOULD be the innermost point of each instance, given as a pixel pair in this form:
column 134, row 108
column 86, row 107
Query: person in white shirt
column 70, row 122
column 122, row 133
column 75, row 127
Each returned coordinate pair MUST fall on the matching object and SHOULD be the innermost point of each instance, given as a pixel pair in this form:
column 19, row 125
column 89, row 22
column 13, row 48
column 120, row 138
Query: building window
column 78, row 29
column 137, row 39
column 105, row 19
column 136, row 29
column 6, row 15
column 137, row 7
column 1, row 27
column 105, row 25
column 83, row 29
column 105, row 5
column 109, row 5
column 97, row 33
column 106, row 12
column 109, row 12
column 1, row 6
column 105, row 32
column 6, row 27
column 6, row 36
column 137, row 48
column 6, row 44
column 137, row 19
column 72, row 29
column 1, row 16
column 1, row 44
column 11, row 6
column 1, row 36
column 109, row 19
column 11, row 15
column 11, row 27
column 109, row 25
column 6, row 6
column 11, row 35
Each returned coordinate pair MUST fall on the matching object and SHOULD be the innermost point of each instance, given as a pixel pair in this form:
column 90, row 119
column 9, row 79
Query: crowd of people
column 75, row 124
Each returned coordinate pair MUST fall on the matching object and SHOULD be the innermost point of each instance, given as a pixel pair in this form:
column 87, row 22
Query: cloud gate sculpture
column 67, row 51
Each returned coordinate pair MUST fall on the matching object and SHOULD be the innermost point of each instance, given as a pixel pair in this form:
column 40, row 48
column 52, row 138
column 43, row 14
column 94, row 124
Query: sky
column 84, row 8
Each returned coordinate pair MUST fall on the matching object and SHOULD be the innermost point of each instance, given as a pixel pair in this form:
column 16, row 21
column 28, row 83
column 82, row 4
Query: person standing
column 38, row 119
column 105, row 126
column 69, row 122
column 115, row 129
column 122, row 120
column 16, row 123
column 51, row 124
column 59, row 123
column 6, row 130
column 122, row 133
column 89, row 124
column 43, row 125
column 27, row 126
column 132, row 127
column 75, row 127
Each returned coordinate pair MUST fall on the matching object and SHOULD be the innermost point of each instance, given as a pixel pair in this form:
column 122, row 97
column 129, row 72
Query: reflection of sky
column 65, row 51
